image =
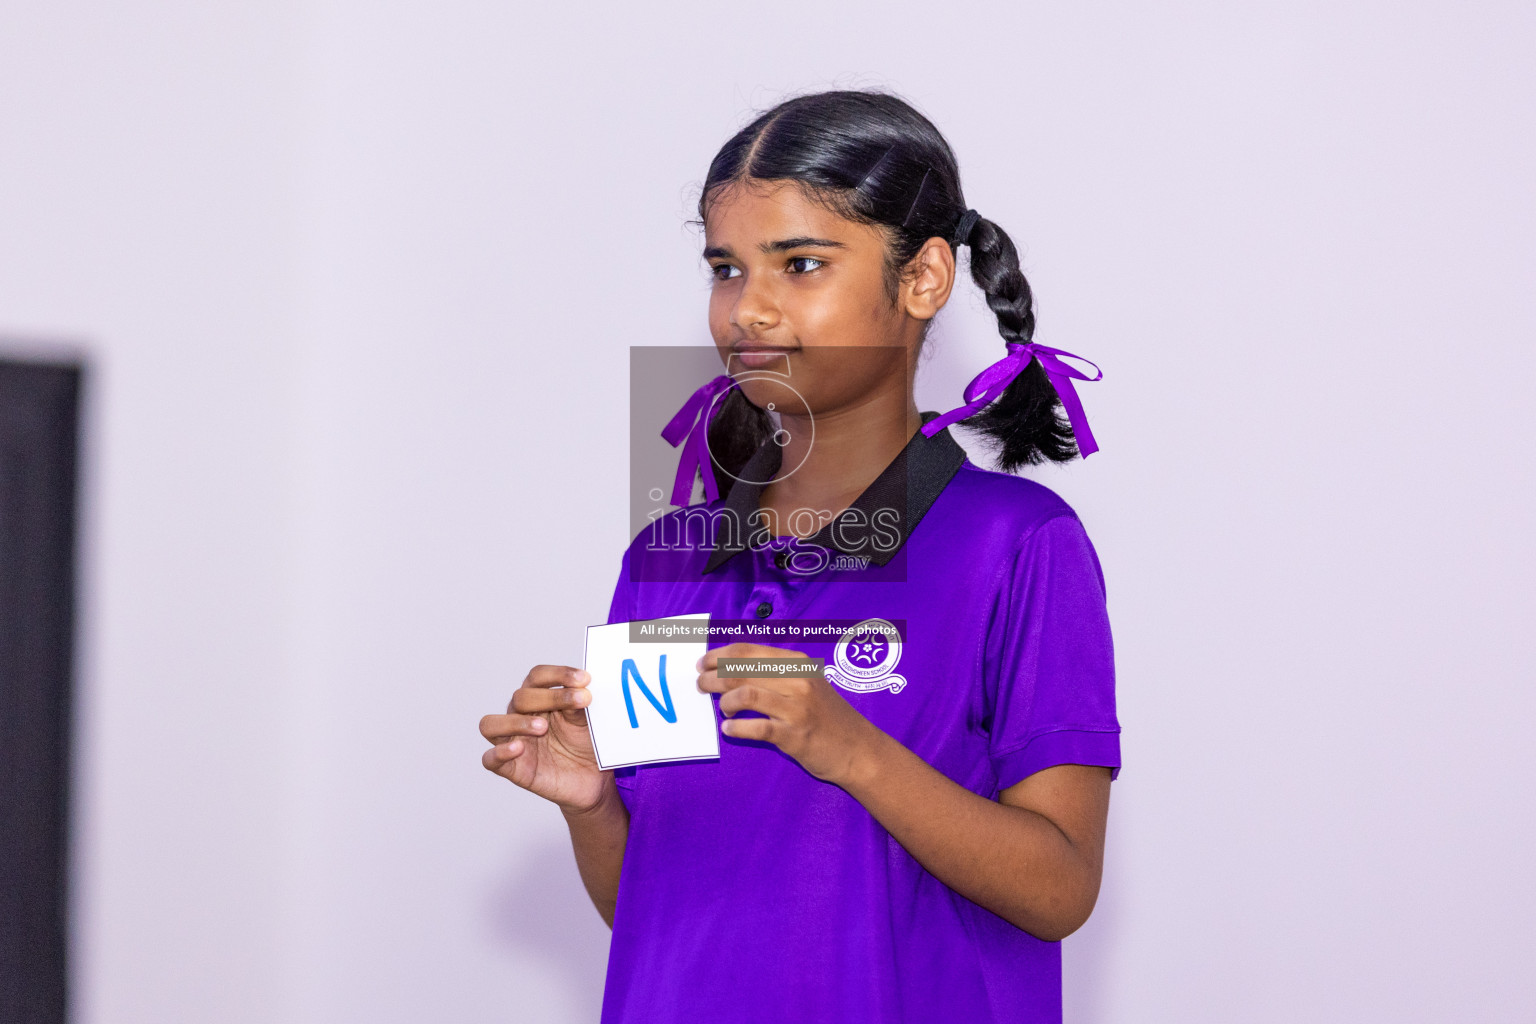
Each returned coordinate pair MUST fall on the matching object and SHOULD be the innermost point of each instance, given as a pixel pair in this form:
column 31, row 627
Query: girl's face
column 799, row 289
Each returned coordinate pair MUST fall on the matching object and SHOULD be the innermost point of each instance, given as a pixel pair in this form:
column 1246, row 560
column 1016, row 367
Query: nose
column 755, row 309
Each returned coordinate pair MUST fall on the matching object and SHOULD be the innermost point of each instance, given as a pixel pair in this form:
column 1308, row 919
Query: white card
column 646, row 703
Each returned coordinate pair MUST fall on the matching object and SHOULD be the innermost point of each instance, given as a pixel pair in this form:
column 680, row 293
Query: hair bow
column 692, row 423
column 994, row 380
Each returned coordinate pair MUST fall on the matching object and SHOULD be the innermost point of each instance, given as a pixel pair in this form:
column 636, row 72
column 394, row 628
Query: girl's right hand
column 542, row 743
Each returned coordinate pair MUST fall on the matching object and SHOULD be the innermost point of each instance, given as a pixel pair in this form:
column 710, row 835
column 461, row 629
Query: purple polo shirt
column 752, row 891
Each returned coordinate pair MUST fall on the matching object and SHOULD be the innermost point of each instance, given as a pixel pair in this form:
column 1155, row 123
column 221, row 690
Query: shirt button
column 781, row 559
column 764, row 610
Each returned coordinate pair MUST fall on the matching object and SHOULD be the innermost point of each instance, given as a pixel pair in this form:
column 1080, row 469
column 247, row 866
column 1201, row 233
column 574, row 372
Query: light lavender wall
column 147, row 222
column 358, row 282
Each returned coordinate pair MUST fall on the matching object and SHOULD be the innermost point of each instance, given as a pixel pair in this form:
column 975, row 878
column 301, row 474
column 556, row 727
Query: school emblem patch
column 865, row 657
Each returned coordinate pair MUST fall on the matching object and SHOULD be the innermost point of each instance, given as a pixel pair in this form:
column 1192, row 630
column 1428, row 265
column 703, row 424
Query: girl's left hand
column 807, row 718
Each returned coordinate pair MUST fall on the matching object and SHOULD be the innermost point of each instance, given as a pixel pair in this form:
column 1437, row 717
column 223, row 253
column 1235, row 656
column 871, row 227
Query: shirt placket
column 774, row 589
column 768, row 594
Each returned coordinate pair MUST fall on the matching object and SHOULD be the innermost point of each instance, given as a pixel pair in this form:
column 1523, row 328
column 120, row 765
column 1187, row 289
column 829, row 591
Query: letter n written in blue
column 663, row 707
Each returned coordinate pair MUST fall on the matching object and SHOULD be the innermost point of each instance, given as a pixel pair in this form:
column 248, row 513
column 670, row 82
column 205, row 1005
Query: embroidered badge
column 865, row 658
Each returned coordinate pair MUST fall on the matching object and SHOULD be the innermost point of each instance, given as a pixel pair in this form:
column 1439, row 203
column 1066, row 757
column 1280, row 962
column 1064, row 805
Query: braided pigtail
column 1025, row 425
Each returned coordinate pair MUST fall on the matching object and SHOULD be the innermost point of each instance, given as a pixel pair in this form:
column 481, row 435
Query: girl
column 908, row 836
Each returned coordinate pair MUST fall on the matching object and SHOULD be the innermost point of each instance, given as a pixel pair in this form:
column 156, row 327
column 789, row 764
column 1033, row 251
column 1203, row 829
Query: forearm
column 1013, row 861
column 598, row 837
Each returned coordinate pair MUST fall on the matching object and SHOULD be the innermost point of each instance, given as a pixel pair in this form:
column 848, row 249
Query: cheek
column 855, row 315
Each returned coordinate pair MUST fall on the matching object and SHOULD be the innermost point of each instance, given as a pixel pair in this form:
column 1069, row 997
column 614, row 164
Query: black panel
column 38, row 416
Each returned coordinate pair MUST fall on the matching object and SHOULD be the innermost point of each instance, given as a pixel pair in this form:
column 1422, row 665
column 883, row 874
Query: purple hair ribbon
column 994, row 380
column 692, row 423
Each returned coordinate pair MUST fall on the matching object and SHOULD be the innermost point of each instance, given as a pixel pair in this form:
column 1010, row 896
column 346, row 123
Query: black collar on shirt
column 909, row 486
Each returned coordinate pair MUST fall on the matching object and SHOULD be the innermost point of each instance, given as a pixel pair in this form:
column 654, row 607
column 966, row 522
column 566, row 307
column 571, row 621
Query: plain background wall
column 356, row 284
column 148, row 200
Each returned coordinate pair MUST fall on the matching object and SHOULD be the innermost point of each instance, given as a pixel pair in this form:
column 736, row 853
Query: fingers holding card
column 645, row 704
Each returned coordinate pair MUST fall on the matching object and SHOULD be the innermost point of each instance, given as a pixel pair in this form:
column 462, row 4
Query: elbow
column 1061, row 917
column 1055, row 931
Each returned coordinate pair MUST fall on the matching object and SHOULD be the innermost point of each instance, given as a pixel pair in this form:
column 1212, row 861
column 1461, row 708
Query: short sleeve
column 1049, row 669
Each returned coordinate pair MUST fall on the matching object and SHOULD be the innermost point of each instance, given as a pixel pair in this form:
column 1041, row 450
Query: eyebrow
column 782, row 245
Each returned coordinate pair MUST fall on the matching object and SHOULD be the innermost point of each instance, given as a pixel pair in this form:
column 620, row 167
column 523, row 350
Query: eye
column 715, row 271
column 803, row 259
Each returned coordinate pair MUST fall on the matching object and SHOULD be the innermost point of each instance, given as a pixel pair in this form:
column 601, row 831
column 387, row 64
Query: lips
column 757, row 356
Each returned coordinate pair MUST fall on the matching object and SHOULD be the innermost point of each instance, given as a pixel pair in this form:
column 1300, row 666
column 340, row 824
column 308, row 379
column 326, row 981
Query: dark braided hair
column 870, row 157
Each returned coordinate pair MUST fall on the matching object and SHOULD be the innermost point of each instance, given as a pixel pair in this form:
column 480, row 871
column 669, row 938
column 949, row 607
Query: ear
column 929, row 279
